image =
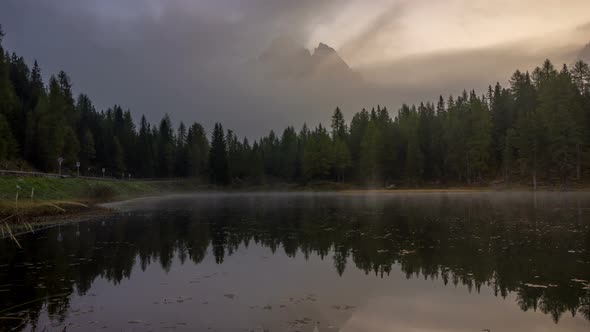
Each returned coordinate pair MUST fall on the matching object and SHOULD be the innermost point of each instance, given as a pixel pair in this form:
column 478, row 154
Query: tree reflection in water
column 536, row 247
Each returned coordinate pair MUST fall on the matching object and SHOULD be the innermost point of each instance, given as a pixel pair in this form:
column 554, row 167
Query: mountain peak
column 285, row 58
column 324, row 48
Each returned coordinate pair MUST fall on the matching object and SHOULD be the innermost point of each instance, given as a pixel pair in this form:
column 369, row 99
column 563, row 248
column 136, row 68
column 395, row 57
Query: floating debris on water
column 536, row 285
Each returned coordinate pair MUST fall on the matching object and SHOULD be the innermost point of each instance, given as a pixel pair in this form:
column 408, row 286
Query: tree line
column 535, row 130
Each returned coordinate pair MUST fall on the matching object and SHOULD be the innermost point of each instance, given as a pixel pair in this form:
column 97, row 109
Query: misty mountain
column 585, row 53
column 286, row 59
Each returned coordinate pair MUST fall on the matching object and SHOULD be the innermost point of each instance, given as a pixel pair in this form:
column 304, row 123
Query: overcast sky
column 191, row 59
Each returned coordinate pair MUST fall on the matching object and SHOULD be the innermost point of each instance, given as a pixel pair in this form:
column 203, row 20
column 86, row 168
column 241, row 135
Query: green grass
column 85, row 190
column 55, row 197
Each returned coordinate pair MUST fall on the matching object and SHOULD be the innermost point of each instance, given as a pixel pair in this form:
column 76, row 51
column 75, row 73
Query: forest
column 535, row 131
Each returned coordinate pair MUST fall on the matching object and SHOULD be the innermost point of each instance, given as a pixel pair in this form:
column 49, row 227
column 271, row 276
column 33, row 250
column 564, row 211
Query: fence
column 52, row 175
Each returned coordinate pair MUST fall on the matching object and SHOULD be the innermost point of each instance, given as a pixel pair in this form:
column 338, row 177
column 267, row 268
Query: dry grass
column 18, row 214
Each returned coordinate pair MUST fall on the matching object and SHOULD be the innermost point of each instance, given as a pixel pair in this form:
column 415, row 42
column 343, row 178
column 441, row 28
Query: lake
column 305, row 261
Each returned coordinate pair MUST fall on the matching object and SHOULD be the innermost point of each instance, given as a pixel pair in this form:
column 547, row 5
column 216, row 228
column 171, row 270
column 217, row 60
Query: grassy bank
column 41, row 197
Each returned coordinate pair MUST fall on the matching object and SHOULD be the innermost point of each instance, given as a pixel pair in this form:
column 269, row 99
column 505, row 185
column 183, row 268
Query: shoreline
column 85, row 198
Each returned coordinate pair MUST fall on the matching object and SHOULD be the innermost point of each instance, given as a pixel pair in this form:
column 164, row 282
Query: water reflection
column 535, row 250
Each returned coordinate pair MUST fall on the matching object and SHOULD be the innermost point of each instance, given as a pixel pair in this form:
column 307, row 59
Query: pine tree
column 198, row 151
column 317, row 157
column 146, row 149
column 51, row 127
column 87, row 150
column 559, row 109
column 166, row 148
column 256, row 163
column 424, row 131
column 479, row 139
column 501, row 114
column 289, row 145
column 37, row 86
column 271, row 151
column 218, row 164
column 581, row 77
column 71, row 148
column 234, row 155
column 358, row 126
column 65, row 86
column 181, row 151
column 19, row 79
column 7, row 142
column 339, row 129
column 369, row 163
column 8, row 105
column 341, row 158
column 118, row 166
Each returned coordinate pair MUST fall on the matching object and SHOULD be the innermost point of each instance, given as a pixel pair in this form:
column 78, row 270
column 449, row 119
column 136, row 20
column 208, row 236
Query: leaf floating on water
column 229, row 296
column 536, row 286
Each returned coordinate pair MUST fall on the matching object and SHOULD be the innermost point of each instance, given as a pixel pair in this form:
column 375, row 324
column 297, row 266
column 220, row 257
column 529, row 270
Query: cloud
column 191, row 58
column 584, row 27
column 366, row 41
column 173, row 57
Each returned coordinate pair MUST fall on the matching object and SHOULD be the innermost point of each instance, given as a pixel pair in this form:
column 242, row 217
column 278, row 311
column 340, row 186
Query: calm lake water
column 295, row 262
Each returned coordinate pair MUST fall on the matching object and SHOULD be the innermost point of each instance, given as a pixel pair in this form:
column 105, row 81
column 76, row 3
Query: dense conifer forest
column 536, row 130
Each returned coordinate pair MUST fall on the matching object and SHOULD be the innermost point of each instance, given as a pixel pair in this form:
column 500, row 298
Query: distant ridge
column 286, row 59
column 585, row 53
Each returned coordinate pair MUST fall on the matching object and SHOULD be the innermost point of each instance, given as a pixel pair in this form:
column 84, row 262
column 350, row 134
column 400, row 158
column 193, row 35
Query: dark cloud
column 191, row 59
column 173, row 56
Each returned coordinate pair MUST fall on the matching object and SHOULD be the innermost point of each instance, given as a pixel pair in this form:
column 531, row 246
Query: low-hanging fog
column 204, row 60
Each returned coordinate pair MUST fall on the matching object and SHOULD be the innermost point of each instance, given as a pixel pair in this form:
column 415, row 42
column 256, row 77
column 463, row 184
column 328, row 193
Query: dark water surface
column 294, row 262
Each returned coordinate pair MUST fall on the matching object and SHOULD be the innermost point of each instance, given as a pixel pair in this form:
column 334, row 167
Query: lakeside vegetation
column 83, row 189
column 536, row 130
column 31, row 198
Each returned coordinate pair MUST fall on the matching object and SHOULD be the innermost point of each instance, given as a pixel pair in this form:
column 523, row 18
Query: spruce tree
column 339, row 129
column 166, row 148
column 288, row 151
column 87, row 150
column 218, row 164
